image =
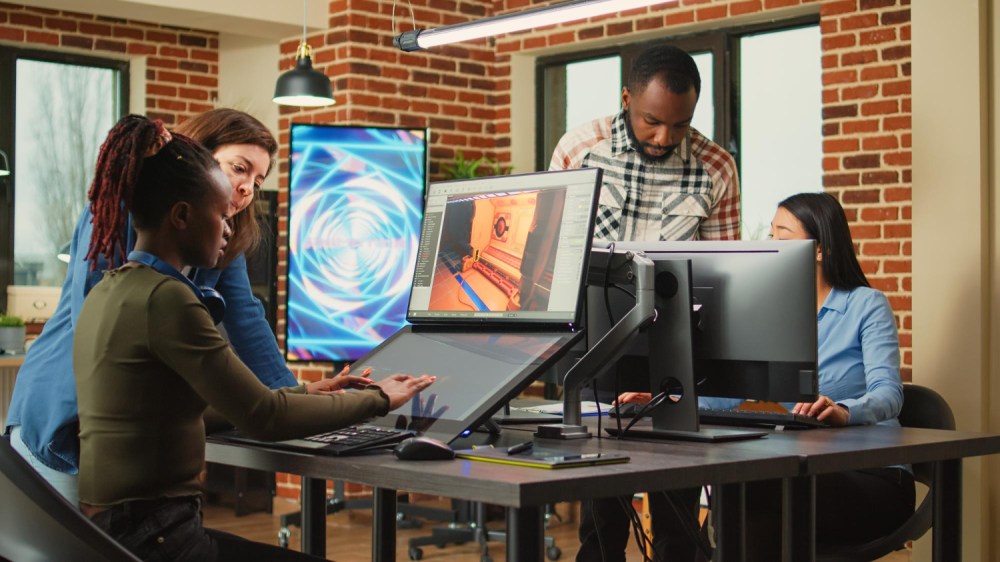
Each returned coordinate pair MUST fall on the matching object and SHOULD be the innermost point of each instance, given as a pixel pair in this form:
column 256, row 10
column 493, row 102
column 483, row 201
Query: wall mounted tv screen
column 355, row 206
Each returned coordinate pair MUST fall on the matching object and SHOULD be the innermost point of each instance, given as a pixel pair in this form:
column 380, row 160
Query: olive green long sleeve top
column 148, row 362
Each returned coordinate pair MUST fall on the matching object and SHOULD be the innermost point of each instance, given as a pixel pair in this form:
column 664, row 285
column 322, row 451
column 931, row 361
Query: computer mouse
column 627, row 410
column 423, row 449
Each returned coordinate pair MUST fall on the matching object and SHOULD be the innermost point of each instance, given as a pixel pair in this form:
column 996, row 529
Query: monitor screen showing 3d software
column 505, row 250
column 355, row 208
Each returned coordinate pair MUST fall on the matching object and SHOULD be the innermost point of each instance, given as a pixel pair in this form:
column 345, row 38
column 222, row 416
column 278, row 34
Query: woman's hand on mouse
column 401, row 388
column 824, row 409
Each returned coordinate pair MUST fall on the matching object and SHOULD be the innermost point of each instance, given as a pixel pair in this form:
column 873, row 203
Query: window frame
column 723, row 43
column 9, row 55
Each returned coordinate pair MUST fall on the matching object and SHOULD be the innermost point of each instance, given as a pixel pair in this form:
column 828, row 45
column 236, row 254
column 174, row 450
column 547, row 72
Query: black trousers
column 604, row 526
column 851, row 507
column 170, row 529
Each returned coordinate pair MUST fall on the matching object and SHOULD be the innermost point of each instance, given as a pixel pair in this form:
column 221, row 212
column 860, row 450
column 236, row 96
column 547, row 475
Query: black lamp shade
column 304, row 86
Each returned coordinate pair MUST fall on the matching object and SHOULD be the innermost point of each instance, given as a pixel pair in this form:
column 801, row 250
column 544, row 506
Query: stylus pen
column 519, row 448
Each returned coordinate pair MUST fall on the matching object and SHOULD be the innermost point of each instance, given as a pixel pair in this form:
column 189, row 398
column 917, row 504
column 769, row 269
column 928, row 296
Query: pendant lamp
column 304, row 86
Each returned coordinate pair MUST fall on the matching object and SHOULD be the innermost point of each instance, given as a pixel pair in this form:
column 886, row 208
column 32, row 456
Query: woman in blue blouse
column 42, row 418
column 859, row 384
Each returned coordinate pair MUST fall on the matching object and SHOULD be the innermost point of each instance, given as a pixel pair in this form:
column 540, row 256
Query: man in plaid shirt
column 663, row 180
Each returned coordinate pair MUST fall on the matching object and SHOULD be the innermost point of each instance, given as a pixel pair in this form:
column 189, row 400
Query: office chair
column 924, row 408
column 474, row 530
column 37, row 523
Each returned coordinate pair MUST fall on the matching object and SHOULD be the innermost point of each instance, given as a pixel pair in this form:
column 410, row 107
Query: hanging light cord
column 305, row 14
column 412, row 21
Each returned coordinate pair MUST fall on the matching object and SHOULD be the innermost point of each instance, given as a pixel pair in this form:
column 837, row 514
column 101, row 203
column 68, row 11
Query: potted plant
column 460, row 168
column 11, row 334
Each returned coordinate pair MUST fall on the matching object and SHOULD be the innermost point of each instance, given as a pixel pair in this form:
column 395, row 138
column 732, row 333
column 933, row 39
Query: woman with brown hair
column 42, row 419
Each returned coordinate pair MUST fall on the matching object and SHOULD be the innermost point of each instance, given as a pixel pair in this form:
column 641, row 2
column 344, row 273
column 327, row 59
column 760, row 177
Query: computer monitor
column 745, row 322
column 355, row 208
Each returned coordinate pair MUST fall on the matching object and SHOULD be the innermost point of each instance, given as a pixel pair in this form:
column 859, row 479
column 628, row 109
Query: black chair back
column 38, row 524
column 922, row 408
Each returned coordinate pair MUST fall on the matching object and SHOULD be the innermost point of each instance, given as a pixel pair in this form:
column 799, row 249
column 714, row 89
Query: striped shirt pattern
column 693, row 195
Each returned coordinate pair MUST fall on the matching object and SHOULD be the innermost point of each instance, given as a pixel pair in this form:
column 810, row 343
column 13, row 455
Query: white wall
column 248, row 70
column 955, row 239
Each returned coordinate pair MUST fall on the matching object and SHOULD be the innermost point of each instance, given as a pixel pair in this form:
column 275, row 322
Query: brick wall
column 182, row 65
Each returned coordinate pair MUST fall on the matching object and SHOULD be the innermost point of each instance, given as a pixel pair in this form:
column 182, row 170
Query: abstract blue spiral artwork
column 355, row 206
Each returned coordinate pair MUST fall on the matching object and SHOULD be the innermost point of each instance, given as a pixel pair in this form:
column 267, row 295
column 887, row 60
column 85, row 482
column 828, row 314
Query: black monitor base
column 705, row 434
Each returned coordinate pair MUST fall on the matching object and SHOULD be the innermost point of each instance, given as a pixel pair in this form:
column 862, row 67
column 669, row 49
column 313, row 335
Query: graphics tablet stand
column 605, row 267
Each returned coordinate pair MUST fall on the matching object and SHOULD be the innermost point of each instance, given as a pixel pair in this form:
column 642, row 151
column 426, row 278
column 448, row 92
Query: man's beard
column 642, row 146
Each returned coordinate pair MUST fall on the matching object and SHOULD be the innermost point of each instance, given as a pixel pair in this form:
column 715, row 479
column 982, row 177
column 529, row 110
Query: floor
column 349, row 535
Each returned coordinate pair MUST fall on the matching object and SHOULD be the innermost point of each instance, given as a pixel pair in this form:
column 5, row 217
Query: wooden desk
column 795, row 456
column 859, row 447
column 524, row 491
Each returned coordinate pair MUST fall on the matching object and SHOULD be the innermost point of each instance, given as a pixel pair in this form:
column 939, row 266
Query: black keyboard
column 359, row 438
column 787, row 420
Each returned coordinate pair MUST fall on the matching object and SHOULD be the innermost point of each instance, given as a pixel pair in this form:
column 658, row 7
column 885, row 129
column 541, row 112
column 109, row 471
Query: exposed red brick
column 880, row 214
column 873, row 178
column 880, row 107
column 828, row 9
column 711, row 13
column 77, row 41
column 866, row 231
column 862, row 161
column 859, row 92
column 840, row 145
column 860, row 21
column 859, row 58
column 878, row 36
column 43, row 38
column 840, row 180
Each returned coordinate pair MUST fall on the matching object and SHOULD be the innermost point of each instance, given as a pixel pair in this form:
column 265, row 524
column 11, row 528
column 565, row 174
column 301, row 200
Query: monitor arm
column 619, row 266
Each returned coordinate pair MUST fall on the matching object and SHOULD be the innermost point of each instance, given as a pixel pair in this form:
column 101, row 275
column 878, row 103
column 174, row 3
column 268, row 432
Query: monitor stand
column 704, row 434
column 508, row 416
column 671, row 364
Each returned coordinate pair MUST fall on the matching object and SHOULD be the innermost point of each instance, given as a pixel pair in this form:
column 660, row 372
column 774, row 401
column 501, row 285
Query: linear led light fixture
column 572, row 10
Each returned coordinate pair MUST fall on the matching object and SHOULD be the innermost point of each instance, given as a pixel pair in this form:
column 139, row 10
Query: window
column 62, row 107
column 760, row 100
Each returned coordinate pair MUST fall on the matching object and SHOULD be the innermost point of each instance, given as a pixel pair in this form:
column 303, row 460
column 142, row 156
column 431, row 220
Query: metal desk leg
column 383, row 525
column 314, row 516
column 525, row 533
column 947, row 522
column 798, row 525
column 730, row 506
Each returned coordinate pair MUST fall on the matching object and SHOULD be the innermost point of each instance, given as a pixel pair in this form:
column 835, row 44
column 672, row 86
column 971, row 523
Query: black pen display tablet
column 476, row 373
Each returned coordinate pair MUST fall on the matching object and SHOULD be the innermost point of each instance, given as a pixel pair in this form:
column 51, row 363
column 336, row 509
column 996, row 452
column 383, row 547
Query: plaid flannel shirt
column 694, row 194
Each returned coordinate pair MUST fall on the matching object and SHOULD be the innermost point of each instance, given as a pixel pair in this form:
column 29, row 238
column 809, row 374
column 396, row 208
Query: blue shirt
column 858, row 357
column 44, row 399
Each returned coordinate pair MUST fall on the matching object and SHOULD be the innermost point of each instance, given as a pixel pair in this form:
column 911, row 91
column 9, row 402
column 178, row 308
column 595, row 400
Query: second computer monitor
column 754, row 316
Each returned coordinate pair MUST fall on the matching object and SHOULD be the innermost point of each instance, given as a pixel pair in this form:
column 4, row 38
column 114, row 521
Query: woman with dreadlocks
column 42, row 418
column 148, row 358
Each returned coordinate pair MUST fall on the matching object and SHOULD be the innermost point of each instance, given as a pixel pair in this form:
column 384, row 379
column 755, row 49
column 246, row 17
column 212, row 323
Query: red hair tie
column 163, row 136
